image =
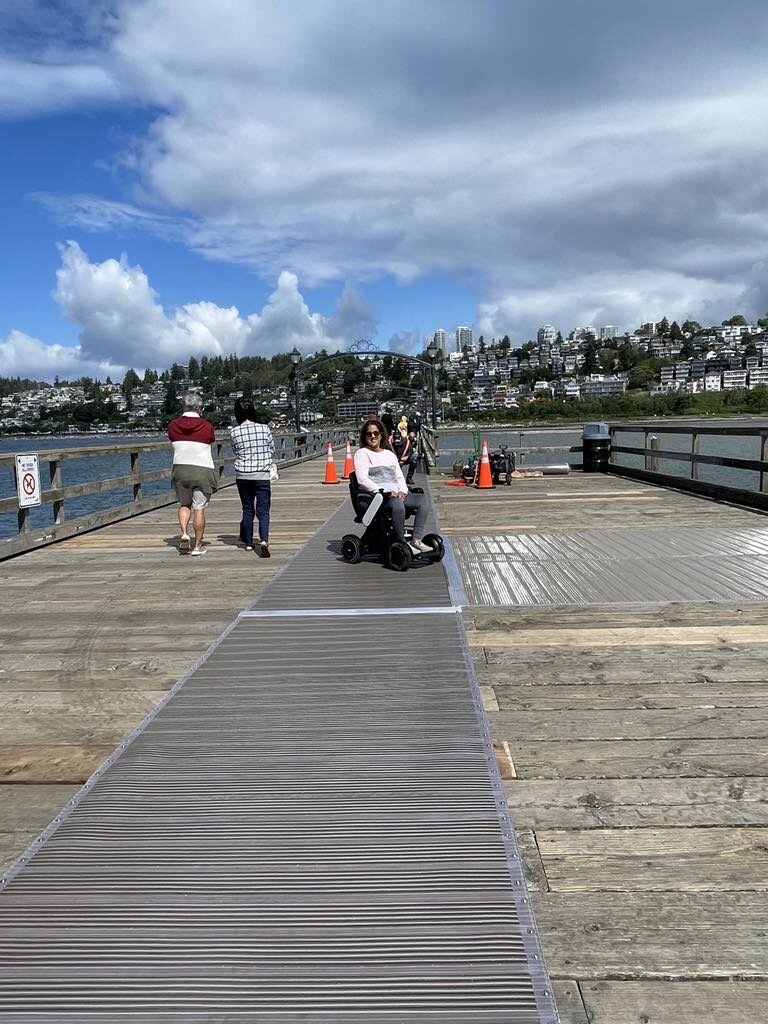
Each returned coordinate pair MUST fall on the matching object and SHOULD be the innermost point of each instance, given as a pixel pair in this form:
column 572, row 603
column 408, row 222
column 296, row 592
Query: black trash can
column 596, row 442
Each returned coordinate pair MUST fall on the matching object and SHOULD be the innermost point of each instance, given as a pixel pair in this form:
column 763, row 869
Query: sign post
column 27, row 482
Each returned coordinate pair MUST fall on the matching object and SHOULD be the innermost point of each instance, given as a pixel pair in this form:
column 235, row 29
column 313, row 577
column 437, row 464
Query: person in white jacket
column 377, row 469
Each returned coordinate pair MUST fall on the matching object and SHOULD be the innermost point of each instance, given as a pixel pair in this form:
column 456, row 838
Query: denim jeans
column 258, row 492
column 399, row 509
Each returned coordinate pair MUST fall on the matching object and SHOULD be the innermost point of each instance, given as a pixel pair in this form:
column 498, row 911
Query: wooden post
column 694, row 453
column 135, row 470
column 764, row 458
column 54, row 475
column 651, row 462
column 23, row 520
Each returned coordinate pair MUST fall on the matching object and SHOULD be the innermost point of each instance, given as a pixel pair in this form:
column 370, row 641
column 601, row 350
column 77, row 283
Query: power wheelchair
column 371, row 510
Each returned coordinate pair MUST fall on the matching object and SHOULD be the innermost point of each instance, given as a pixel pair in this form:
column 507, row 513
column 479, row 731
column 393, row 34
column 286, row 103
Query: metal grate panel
column 615, row 566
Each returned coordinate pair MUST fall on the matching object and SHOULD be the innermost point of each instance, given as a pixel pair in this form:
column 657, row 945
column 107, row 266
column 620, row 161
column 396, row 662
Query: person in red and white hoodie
column 193, row 475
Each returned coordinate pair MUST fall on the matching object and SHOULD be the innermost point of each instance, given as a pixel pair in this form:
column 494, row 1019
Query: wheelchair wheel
column 399, row 556
column 351, row 548
column 435, row 541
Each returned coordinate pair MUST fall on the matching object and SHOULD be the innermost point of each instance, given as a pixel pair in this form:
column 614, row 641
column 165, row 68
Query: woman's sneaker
column 264, row 550
column 198, row 551
column 420, row 548
column 184, row 544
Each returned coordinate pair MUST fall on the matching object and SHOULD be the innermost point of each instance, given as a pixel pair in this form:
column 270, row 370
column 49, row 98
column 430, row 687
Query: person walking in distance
column 193, row 475
column 254, row 449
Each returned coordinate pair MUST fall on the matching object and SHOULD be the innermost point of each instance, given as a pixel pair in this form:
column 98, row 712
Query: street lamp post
column 432, row 353
column 296, row 359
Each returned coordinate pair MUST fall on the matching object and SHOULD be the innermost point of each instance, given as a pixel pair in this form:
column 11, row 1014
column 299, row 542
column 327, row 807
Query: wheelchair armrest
column 376, row 502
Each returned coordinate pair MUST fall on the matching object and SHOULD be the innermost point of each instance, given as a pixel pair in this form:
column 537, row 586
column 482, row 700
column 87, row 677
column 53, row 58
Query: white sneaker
column 184, row 544
column 198, row 551
column 421, row 547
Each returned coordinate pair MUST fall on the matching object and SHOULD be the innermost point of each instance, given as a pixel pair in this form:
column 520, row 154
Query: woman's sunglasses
column 373, row 433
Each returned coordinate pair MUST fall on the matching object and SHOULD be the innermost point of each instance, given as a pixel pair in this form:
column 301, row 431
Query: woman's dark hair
column 382, row 431
column 244, row 411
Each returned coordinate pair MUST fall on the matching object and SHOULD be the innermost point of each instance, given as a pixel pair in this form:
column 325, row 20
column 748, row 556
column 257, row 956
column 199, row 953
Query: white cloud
column 23, row 356
column 592, row 300
column 622, row 151
column 123, row 324
column 28, row 87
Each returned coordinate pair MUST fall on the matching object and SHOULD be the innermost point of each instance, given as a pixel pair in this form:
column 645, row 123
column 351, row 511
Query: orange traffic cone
column 330, row 468
column 349, row 465
column 484, row 474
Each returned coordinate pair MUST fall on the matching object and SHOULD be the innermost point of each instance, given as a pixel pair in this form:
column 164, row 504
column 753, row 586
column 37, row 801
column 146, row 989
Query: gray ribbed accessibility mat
column 615, row 566
column 319, row 578
column 311, row 829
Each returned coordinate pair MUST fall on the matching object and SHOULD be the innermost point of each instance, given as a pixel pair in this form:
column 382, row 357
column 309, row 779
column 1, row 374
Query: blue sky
column 185, row 178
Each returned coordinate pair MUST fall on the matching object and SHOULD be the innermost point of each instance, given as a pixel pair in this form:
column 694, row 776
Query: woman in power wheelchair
column 382, row 502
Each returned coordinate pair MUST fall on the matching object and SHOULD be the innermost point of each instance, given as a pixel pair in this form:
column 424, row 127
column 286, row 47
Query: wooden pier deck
column 634, row 743
column 632, row 737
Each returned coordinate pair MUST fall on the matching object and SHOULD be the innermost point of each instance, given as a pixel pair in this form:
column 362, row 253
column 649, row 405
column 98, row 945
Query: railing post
column 651, row 462
column 54, row 475
column 24, row 520
column 135, row 470
column 694, row 453
column 764, row 458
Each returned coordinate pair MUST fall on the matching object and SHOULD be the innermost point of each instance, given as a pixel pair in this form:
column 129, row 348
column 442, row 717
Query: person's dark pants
column 256, row 493
column 398, row 509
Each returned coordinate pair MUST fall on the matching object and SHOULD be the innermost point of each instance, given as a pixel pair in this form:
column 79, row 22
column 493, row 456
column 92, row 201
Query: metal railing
column 521, row 450
column 729, row 477
column 56, row 491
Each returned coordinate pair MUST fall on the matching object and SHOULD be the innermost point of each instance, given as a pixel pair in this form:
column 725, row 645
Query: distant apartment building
column 463, row 337
column 356, row 410
column 546, row 335
column 596, row 386
column 732, row 332
column 608, row 332
column 682, row 370
column 758, row 377
column 440, row 338
column 734, row 379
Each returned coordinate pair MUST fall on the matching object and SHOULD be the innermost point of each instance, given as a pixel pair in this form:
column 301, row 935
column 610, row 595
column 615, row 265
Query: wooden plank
column 635, row 803
column 593, row 936
column 625, row 696
column 680, row 1002
column 51, row 727
column 666, row 723
column 52, row 763
column 29, row 808
column 80, row 703
column 645, row 859
column 12, row 845
column 625, row 759
column 480, row 617
column 667, row 635
column 535, row 875
column 570, row 1005
column 590, row 665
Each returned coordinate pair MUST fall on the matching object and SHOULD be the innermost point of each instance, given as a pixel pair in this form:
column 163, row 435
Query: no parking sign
column 27, row 480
